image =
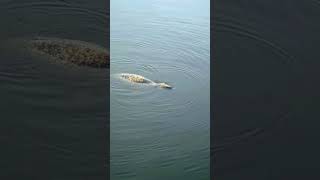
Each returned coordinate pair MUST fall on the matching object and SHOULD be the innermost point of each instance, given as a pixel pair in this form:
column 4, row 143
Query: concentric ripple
column 260, row 103
column 172, row 60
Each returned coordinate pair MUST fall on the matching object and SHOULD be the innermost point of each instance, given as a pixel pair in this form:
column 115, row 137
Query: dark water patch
column 33, row 18
column 242, row 31
column 58, row 6
column 259, row 72
column 252, row 143
column 54, row 115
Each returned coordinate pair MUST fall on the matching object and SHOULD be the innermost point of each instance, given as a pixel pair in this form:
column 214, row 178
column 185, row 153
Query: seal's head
column 165, row 85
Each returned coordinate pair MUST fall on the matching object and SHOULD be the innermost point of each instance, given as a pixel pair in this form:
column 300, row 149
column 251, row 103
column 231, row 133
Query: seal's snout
column 165, row 86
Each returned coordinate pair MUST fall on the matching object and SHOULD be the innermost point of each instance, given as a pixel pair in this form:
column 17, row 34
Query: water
column 266, row 115
column 53, row 117
column 158, row 133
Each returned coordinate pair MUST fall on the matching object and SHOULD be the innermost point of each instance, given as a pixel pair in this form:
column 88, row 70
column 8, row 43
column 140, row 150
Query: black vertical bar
column 54, row 108
column 266, row 90
column 108, row 94
column 212, row 103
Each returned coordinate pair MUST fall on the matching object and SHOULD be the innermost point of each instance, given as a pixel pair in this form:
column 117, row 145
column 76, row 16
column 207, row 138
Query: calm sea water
column 53, row 117
column 266, row 89
column 158, row 133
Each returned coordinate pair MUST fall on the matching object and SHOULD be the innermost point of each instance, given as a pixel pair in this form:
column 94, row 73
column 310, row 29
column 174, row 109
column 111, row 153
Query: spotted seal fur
column 70, row 51
column 140, row 79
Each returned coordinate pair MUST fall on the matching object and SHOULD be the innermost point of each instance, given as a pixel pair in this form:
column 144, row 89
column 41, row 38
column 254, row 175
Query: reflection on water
column 156, row 133
column 53, row 116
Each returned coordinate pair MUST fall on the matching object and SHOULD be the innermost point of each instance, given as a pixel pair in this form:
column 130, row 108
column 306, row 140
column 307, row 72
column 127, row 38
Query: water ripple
column 230, row 26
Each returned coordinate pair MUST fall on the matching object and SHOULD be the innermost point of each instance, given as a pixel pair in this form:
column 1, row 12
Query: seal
column 70, row 51
column 135, row 78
